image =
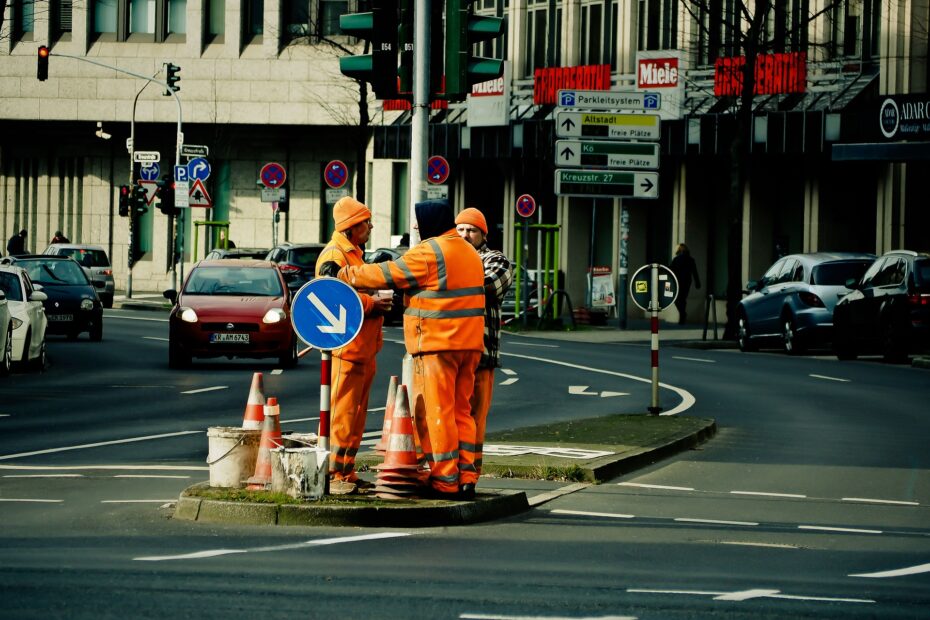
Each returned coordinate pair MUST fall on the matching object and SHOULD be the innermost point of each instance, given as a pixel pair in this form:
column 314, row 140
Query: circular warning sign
column 641, row 287
column 335, row 174
column 526, row 205
column 273, row 175
column 437, row 170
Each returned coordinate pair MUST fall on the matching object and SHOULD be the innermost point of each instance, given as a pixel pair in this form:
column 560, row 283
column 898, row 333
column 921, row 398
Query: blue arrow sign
column 150, row 172
column 198, row 168
column 327, row 313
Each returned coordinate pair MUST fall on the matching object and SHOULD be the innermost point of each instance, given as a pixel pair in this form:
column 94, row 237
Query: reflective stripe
column 341, row 468
column 340, row 451
column 467, row 467
column 444, row 314
column 459, row 292
column 467, row 446
column 443, row 456
column 440, row 264
column 446, row 479
column 386, row 272
column 408, row 275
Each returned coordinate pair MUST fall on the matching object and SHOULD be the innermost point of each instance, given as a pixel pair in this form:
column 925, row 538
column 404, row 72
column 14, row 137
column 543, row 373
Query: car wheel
column 790, row 339
column 743, row 336
column 177, row 358
column 289, row 359
column 6, row 363
column 96, row 332
column 894, row 346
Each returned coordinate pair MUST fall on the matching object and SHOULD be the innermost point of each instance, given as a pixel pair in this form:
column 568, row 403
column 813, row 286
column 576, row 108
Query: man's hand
column 383, row 305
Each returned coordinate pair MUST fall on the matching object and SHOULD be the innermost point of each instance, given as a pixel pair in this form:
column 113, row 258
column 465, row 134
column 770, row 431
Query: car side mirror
column 38, row 296
column 171, row 295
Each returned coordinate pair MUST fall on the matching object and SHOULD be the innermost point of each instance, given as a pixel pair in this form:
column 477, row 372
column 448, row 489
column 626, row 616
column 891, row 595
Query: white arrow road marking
column 606, row 394
column 579, row 390
column 901, row 572
column 509, row 381
column 209, row 389
column 748, row 594
column 336, row 326
column 468, row 616
column 826, row 378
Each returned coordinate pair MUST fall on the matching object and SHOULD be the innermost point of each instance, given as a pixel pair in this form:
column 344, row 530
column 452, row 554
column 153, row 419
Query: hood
column 434, row 217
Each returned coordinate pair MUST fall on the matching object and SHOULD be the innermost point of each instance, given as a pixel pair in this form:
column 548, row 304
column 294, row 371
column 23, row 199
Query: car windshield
column 54, row 272
column 9, row 284
column 836, row 274
column 88, row 258
column 252, row 281
column 304, row 257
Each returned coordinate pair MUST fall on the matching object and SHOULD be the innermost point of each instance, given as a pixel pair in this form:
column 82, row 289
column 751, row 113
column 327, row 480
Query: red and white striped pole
column 325, row 382
column 654, row 408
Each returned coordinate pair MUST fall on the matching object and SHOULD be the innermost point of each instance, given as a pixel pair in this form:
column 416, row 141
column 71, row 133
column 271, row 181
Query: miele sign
column 657, row 73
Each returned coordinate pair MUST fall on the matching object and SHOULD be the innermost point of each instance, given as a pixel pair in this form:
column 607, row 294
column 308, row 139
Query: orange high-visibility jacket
column 369, row 340
column 443, row 280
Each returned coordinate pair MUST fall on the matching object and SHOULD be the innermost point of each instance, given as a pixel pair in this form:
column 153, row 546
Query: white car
column 24, row 300
column 6, row 336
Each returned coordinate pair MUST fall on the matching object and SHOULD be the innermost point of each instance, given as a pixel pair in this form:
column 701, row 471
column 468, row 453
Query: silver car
column 6, row 336
column 96, row 264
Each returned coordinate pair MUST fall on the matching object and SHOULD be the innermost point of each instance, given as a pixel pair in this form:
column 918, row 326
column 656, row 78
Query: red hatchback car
column 231, row 308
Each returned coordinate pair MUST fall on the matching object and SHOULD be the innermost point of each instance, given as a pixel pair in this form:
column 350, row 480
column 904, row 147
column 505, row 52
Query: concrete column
column 811, row 214
column 272, row 38
column 626, row 42
column 82, row 27
column 747, row 229
column 571, row 32
column 516, row 35
column 196, row 27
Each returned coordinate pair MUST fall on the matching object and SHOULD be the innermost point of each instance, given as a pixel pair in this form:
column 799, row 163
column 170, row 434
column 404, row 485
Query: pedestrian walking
column 443, row 331
column 353, row 366
column 472, row 226
column 685, row 269
column 17, row 244
column 59, row 238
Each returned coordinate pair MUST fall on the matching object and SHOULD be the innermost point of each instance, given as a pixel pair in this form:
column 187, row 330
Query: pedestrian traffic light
column 42, row 68
column 165, row 193
column 139, row 201
column 172, row 78
column 379, row 27
column 124, row 201
column 463, row 30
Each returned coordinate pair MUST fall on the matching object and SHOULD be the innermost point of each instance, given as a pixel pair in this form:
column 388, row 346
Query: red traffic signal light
column 124, row 201
column 42, row 68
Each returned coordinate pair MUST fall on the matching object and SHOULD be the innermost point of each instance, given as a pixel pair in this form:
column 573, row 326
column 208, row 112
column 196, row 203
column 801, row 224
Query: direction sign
column 526, row 205
column 327, row 313
column 610, row 100
column 274, row 195
column 641, row 287
column 149, row 171
column 198, row 168
column 194, row 150
column 335, row 174
column 570, row 124
column 198, row 195
column 273, row 175
column 437, row 170
column 604, row 154
column 182, row 194
column 146, row 156
column 607, row 184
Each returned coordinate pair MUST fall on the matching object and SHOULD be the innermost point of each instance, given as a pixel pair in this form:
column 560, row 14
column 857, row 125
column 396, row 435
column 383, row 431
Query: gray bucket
column 232, row 454
column 300, row 472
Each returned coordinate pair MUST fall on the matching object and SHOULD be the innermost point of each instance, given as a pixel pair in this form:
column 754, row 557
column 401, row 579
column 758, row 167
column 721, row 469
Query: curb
column 142, row 305
column 921, row 362
column 411, row 513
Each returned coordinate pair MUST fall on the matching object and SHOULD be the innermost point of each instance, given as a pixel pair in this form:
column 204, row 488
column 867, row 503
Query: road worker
column 353, row 366
column 472, row 226
column 443, row 329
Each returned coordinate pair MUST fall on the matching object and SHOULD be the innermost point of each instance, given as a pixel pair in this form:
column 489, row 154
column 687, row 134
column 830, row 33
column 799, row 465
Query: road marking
column 606, row 394
column 133, row 318
column 299, row 420
column 508, row 372
column 120, row 467
column 653, row 486
column 542, row 498
column 43, row 475
column 276, row 371
column 715, row 521
column 509, row 381
column 209, row 389
column 503, row 617
column 745, row 595
column 749, row 594
column 582, row 513
column 829, row 378
column 4, row 415
column 211, row 553
column 151, row 476
column 580, row 390
column 900, row 572
column 32, row 501
column 764, row 494
column 687, row 400
column 155, row 338
column 755, row 544
column 846, row 530
column 868, row 500
column 693, row 359
column 137, row 501
column 533, row 344
column 114, row 442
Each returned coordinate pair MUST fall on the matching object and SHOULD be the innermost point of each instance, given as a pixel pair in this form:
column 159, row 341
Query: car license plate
column 61, row 317
column 237, row 338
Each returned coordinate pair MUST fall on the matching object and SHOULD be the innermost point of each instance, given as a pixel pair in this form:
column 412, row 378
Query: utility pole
column 419, row 124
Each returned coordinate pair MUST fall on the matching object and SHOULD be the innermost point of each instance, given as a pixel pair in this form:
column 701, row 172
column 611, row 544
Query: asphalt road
column 812, row 501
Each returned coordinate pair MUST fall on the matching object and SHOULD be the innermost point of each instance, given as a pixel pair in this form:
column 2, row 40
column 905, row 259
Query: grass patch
column 267, row 497
column 622, row 429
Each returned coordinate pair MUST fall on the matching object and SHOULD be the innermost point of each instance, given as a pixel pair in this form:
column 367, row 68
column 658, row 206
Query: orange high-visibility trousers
column 443, row 384
column 480, row 405
column 351, row 385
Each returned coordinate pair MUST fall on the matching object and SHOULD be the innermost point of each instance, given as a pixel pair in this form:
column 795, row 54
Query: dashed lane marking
column 7, row 457
column 584, row 513
column 900, row 572
column 277, row 371
column 155, row 338
column 653, row 486
column 826, row 378
column 31, row 501
column 43, row 475
column 716, row 521
column 746, row 595
column 208, row 389
column 509, row 381
column 693, row 359
column 471, row 616
column 757, row 544
column 508, row 372
column 105, row 467
column 137, row 501
column 767, row 494
column 151, row 476
column 868, row 500
column 842, row 530
column 533, row 344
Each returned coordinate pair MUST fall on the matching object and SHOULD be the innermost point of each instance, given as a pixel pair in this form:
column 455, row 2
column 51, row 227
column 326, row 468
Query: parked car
column 297, row 262
column 6, row 336
column 231, row 308
column 96, row 264
column 381, row 255
column 888, row 311
column 793, row 302
column 72, row 305
column 253, row 253
column 28, row 317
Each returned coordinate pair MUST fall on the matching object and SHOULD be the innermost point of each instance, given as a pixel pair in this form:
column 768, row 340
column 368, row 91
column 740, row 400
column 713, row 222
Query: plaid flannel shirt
column 498, row 276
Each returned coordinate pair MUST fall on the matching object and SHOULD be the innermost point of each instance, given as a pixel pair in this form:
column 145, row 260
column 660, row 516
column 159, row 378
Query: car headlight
column 87, row 304
column 275, row 315
column 188, row 315
column 17, row 323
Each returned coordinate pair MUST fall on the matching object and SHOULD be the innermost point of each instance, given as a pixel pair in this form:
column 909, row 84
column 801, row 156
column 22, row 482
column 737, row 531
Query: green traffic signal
column 379, row 27
column 463, row 30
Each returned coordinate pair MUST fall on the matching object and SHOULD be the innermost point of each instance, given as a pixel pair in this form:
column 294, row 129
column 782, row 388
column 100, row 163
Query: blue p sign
column 180, row 173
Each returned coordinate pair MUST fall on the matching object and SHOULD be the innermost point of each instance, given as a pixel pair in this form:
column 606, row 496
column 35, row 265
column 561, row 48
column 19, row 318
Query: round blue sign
column 198, row 168
column 327, row 313
column 150, row 172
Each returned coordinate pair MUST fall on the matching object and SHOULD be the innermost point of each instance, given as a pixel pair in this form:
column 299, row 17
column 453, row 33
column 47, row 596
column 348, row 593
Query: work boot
column 342, row 487
column 467, row 491
column 434, row 493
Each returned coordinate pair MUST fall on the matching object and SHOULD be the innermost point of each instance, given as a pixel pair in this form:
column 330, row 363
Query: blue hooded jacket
column 434, row 217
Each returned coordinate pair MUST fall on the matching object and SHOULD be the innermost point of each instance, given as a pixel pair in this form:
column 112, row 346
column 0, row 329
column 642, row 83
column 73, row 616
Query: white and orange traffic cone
column 254, row 407
column 398, row 476
column 381, row 446
column 271, row 438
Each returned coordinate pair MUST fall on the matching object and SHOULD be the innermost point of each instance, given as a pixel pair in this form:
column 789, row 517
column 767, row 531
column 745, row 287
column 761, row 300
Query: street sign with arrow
column 571, row 124
column 604, row 154
column 327, row 313
column 608, row 184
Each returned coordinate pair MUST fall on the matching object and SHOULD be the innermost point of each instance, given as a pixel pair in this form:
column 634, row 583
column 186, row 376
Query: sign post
column 653, row 288
column 526, row 207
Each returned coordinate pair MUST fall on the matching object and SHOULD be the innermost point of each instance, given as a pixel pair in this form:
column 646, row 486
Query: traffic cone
column 398, row 476
column 271, row 438
column 254, row 417
column 381, row 446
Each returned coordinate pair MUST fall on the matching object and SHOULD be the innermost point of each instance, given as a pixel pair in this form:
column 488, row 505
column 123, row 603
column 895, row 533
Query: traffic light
column 139, row 200
column 379, row 27
column 463, row 30
column 42, row 68
column 165, row 194
column 172, row 78
column 124, row 201
column 405, row 45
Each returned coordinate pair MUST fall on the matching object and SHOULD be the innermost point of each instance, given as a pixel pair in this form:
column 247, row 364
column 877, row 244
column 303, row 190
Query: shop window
column 592, row 34
column 24, row 20
column 658, row 24
column 253, row 24
column 536, row 36
column 496, row 48
column 177, row 17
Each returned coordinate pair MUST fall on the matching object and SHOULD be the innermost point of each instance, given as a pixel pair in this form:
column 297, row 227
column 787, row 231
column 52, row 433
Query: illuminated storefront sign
column 549, row 80
column 775, row 74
